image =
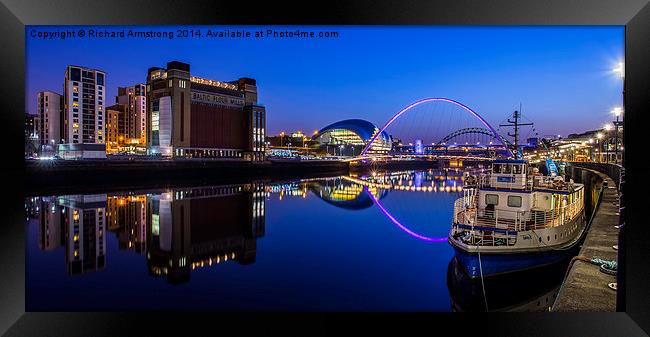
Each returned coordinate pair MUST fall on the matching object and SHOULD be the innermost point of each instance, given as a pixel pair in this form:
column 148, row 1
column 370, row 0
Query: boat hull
column 489, row 261
column 489, row 265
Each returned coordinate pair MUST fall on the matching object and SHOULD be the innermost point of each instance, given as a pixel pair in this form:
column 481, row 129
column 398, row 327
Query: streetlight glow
column 608, row 127
column 620, row 70
column 617, row 111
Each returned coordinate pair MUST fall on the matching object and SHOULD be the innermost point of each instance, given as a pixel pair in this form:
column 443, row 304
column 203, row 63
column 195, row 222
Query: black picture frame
column 632, row 320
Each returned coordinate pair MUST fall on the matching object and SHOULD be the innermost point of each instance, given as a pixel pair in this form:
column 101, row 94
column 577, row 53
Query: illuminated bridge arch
column 426, row 100
column 480, row 131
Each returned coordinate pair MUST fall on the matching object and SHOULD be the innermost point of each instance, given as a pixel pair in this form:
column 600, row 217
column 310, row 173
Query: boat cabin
column 509, row 174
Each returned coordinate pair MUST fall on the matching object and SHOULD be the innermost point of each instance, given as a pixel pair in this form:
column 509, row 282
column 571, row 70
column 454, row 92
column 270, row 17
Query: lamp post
column 620, row 276
column 617, row 112
column 620, row 71
column 608, row 128
column 599, row 143
column 281, row 138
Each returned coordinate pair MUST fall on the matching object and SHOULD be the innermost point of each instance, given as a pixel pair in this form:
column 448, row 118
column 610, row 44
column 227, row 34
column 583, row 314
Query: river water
column 373, row 242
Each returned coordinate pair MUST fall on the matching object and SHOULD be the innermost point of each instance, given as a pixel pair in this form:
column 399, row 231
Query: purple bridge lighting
column 398, row 224
column 401, row 112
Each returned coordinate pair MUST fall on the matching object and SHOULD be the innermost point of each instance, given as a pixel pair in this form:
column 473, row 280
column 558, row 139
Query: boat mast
column 515, row 123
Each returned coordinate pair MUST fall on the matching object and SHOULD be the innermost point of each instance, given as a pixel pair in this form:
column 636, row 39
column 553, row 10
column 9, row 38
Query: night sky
column 562, row 75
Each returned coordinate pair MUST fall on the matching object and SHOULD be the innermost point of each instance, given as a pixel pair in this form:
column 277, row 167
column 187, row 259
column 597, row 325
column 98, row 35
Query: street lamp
column 608, row 127
column 620, row 71
column 617, row 112
column 599, row 143
column 281, row 138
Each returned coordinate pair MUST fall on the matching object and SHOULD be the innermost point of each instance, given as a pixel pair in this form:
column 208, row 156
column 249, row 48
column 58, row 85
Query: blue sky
column 561, row 75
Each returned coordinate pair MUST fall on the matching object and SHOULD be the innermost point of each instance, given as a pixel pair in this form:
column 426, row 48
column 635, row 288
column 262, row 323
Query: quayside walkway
column 586, row 287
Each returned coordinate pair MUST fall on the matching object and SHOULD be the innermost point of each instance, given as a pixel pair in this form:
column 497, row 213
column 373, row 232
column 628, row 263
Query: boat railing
column 491, row 238
column 467, row 213
column 533, row 181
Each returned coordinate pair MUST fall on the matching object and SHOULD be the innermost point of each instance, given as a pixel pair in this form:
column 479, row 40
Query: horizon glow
column 562, row 75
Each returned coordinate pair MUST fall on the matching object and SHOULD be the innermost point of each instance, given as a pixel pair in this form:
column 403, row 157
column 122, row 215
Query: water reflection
column 318, row 255
column 177, row 229
column 181, row 229
column 531, row 290
column 199, row 227
column 77, row 223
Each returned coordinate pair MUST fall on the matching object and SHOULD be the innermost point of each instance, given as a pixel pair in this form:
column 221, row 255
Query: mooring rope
column 480, row 268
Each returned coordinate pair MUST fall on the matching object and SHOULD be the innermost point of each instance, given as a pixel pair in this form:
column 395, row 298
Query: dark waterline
column 329, row 244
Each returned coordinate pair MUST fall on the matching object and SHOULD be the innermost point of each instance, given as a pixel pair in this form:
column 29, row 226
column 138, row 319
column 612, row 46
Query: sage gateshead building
column 190, row 116
column 349, row 137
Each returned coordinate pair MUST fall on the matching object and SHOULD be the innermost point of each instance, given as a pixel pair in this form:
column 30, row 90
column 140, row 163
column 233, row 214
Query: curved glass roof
column 362, row 128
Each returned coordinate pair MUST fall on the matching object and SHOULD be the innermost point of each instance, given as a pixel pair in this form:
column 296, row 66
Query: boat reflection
column 530, row 290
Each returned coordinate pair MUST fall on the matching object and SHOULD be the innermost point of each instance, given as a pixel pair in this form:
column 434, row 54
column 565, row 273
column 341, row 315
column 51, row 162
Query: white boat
column 513, row 218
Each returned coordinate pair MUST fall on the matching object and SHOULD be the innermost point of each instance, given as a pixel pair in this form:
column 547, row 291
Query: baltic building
column 189, row 116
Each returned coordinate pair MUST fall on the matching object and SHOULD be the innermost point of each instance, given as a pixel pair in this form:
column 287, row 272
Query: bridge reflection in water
column 182, row 229
column 532, row 290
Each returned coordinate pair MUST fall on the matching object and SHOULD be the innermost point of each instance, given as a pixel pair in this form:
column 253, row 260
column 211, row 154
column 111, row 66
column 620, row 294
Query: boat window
column 496, row 168
column 514, row 201
column 491, row 199
column 506, row 169
column 516, row 169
